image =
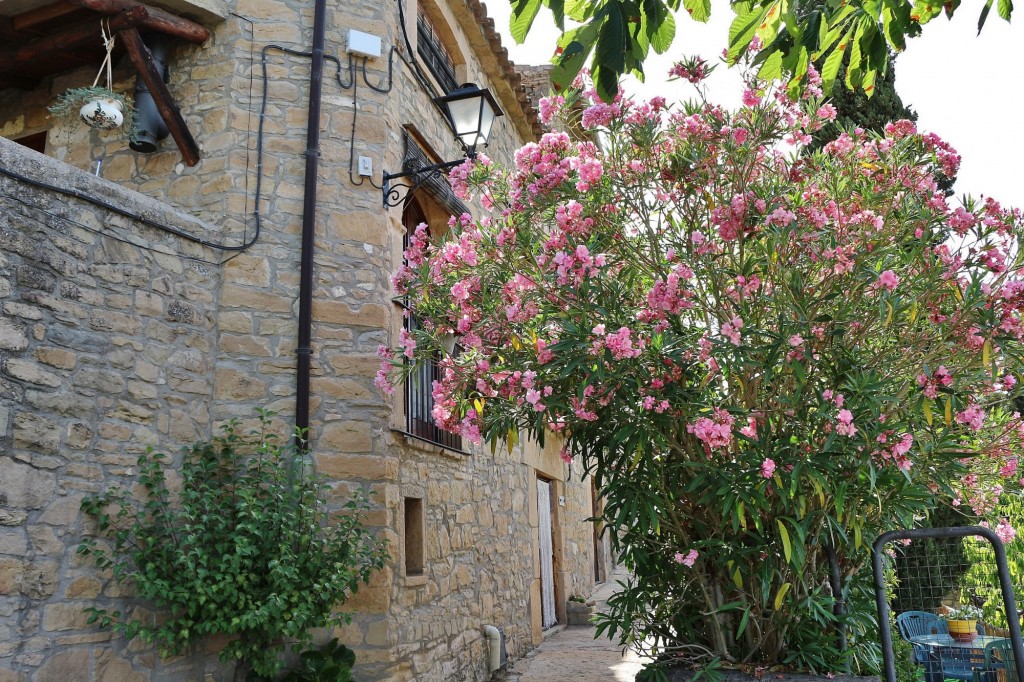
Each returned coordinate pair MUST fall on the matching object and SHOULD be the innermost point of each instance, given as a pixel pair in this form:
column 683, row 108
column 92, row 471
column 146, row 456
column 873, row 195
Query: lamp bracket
column 414, row 180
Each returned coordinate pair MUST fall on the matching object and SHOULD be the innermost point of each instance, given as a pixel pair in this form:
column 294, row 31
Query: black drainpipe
column 303, row 351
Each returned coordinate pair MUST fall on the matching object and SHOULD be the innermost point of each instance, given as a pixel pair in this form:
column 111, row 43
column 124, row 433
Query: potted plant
column 579, row 610
column 963, row 622
column 96, row 106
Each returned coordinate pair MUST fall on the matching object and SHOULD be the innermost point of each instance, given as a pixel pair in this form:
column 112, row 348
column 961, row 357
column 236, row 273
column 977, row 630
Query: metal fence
column 948, row 593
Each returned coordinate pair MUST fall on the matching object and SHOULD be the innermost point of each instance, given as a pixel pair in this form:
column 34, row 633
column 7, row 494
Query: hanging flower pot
column 97, row 106
column 104, row 114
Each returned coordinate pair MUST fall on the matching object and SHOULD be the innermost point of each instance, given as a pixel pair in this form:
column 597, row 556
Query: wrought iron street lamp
column 471, row 111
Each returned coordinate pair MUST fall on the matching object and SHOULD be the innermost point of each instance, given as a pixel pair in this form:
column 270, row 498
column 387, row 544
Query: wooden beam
column 20, row 81
column 148, row 72
column 7, row 33
column 41, row 15
column 156, row 20
column 67, row 42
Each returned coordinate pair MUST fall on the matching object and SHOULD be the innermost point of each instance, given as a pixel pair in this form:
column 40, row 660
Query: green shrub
column 980, row 585
column 247, row 549
column 332, row 663
column 903, row 655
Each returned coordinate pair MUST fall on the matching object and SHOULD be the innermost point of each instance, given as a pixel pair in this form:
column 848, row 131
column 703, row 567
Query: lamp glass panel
column 486, row 121
column 465, row 115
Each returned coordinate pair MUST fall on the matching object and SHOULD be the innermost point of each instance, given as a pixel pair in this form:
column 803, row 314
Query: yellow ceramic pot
column 963, row 630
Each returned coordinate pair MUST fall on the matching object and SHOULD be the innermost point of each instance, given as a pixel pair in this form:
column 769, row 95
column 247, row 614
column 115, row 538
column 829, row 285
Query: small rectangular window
column 413, row 536
column 434, row 55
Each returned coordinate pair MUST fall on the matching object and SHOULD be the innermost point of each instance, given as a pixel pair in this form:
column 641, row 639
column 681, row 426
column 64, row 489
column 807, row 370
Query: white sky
column 968, row 89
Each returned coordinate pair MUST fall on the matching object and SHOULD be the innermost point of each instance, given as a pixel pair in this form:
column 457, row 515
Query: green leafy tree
column 618, row 35
column 247, row 549
column 855, row 109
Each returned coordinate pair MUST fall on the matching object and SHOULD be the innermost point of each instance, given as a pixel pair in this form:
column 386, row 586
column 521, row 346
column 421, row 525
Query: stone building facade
column 126, row 323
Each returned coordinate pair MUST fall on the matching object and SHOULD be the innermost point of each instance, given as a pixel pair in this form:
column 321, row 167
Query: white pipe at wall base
column 493, row 648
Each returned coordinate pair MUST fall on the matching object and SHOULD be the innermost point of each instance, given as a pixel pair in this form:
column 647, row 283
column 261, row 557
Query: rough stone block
column 359, row 467
column 235, row 296
column 57, row 357
column 370, row 600
column 25, row 486
column 10, row 575
column 62, row 511
column 40, row 579
column 26, row 370
column 33, row 431
column 110, row 668
column 347, row 364
column 45, row 541
column 347, row 436
column 110, row 321
column 360, row 226
column 233, row 384
column 344, row 389
column 237, row 322
column 13, row 543
column 248, row 269
column 12, row 335
column 336, row 312
column 245, row 345
column 64, row 616
column 63, row 666
column 85, row 587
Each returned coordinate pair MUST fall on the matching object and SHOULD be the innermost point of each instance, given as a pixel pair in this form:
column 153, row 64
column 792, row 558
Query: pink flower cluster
column 930, row 385
column 694, row 70
column 668, row 296
column 973, row 417
column 714, row 432
column 889, row 280
column 620, row 343
column 731, row 330
column 844, row 423
column 688, row 560
column 1005, row 531
column 549, row 108
column 897, row 452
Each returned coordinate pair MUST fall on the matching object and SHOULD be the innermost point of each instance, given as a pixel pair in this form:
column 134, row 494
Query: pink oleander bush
column 757, row 353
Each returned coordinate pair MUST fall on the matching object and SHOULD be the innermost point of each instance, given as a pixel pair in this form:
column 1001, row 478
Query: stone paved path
column 573, row 655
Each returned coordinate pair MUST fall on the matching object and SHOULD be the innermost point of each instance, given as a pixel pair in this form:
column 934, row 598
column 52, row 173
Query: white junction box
column 365, row 44
column 365, row 166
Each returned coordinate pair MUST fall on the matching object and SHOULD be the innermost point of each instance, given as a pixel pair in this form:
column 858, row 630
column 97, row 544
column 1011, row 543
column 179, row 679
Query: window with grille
column 434, row 55
column 419, row 398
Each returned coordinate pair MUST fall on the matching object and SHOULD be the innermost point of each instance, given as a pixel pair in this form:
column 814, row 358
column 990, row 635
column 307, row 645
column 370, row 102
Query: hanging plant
column 97, row 106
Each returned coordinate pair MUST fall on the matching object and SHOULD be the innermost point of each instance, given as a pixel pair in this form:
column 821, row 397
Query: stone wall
column 481, row 554
column 106, row 334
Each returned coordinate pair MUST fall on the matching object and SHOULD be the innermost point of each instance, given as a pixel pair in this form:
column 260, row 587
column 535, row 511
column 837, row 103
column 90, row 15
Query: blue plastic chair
column 998, row 656
column 916, row 623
